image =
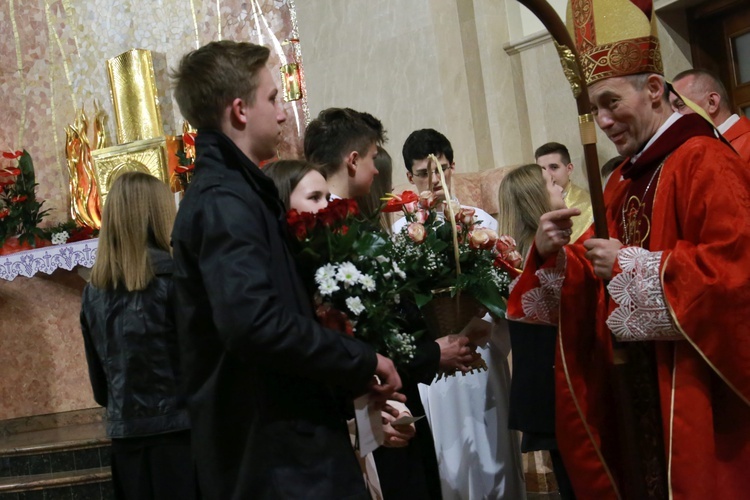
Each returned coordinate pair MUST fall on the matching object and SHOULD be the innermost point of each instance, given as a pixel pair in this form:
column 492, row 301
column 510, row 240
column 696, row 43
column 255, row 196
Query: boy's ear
column 352, row 161
column 410, row 177
column 238, row 111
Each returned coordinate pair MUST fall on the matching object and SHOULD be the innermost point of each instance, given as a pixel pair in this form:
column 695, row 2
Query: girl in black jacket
column 131, row 343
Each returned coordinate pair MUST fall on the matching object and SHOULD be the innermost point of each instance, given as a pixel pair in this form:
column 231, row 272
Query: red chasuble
column 688, row 291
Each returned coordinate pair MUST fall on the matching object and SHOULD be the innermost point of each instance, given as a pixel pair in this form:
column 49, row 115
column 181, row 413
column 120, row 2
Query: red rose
column 296, row 224
column 339, row 208
column 416, row 232
column 4, row 213
column 308, row 219
column 19, row 198
column 482, row 239
column 353, row 207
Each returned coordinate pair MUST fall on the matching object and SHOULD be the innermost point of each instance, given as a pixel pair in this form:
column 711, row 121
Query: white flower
column 348, row 274
column 327, row 287
column 367, row 282
column 355, row 305
column 60, row 238
column 398, row 271
column 382, row 259
column 325, row 273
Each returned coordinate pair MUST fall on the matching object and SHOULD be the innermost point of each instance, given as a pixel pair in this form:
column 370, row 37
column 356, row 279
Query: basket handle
column 448, row 199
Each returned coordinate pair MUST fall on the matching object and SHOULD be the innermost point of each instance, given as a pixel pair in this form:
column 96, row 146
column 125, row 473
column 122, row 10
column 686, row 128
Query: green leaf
column 421, row 299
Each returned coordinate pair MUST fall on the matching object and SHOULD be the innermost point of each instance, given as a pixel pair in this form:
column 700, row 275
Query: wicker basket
column 445, row 315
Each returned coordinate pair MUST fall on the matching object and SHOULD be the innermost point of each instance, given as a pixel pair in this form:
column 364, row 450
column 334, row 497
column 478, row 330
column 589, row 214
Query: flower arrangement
column 459, row 257
column 357, row 287
column 20, row 212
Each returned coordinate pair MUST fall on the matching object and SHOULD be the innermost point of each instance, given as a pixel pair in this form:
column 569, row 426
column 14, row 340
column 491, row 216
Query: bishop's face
column 624, row 113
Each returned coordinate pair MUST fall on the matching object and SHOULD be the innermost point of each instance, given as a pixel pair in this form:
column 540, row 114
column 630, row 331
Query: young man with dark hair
column 417, row 147
column 344, row 142
column 264, row 379
column 706, row 90
column 555, row 159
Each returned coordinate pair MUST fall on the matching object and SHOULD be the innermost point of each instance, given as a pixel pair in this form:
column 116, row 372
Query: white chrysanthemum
column 327, row 287
column 355, row 305
column 367, row 282
column 348, row 274
column 60, row 238
column 325, row 273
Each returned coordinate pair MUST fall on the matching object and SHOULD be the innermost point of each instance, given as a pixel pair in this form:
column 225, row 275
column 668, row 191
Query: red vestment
column 690, row 284
column 738, row 136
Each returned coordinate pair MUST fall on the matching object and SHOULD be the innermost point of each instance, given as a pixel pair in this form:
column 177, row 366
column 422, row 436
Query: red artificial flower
column 189, row 138
column 6, row 182
column 12, row 155
column 397, row 202
column 181, row 169
column 19, row 198
column 80, row 234
column 4, row 213
column 506, row 266
column 13, row 171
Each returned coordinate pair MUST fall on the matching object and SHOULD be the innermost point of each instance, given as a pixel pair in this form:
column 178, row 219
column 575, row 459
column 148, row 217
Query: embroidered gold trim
column 695, row 346
column 580, row 413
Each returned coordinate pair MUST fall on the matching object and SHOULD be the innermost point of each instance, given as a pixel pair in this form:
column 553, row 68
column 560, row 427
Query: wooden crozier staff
column 636, row 388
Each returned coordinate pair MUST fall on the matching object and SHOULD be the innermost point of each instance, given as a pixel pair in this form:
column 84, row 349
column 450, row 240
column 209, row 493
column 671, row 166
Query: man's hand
column 554, row 231
column 384, row 385
column 397, row 436
column 602, row 254
column 455, row 353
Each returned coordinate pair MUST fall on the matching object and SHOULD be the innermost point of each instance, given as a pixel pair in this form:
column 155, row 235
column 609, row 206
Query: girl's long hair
column 139, row 212
column 382, row 184
column 523, row 198
column 286, row 174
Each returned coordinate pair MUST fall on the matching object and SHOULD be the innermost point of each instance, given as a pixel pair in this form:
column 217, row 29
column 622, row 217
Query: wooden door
column 720, row 42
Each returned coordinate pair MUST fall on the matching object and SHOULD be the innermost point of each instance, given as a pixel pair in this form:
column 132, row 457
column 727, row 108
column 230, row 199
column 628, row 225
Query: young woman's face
column 311, row 193
column 556, row 199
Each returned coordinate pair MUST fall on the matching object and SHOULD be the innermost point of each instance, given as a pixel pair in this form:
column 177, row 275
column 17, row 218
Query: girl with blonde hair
column 525, row 194
column 131, row 343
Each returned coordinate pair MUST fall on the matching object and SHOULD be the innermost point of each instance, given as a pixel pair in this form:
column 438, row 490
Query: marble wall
column 42, row 361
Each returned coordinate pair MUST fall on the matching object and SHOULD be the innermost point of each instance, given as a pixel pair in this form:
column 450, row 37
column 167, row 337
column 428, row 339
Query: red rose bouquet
column 357, row 287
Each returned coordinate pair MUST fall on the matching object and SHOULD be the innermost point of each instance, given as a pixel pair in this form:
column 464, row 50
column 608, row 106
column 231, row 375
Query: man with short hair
column 555, row 159
column 417, row 147
column 344, row 142
column 468, row 414
column 264, row 380
column 707, row 91
column 676, row 267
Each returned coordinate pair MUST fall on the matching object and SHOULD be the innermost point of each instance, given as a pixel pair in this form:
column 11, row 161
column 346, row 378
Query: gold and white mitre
column 614, row 37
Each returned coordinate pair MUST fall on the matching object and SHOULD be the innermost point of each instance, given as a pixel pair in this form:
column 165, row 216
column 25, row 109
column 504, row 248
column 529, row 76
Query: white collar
column 728, row 123
column 334, row 197
column 670, row 121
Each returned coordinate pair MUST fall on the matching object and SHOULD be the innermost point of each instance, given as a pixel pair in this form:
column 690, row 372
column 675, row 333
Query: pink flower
column 416, row 232
column 456, row 210
column 421, row 216
column 466, row 216
column 427, row 199
column 482, row 239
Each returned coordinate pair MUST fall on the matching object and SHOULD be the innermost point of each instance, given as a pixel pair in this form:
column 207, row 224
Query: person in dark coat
column 129, row 333
column 265, row 381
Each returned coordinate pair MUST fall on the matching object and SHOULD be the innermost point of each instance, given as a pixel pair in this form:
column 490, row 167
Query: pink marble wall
column 42, row 361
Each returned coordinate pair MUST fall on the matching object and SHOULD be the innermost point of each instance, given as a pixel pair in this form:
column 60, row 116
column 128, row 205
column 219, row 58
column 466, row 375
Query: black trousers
column 154, row 467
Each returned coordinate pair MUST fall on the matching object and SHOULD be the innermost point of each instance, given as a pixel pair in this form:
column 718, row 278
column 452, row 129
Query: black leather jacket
column 133, row 356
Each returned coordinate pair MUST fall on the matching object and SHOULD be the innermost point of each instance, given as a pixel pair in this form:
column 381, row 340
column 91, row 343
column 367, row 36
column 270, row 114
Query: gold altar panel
column 134, row 94
column 149, row 157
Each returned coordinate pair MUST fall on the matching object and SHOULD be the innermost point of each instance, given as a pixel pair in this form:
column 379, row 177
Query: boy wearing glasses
column 418, row 146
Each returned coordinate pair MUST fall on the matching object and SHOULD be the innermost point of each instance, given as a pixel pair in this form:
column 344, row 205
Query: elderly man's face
column 624, row 113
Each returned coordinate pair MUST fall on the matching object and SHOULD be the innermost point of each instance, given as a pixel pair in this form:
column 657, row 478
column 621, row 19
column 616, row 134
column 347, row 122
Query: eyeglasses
column 423, row 174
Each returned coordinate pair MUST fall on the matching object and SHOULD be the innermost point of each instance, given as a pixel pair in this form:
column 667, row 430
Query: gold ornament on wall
column 84, row 194
column 291, row 76
column 143, row 146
